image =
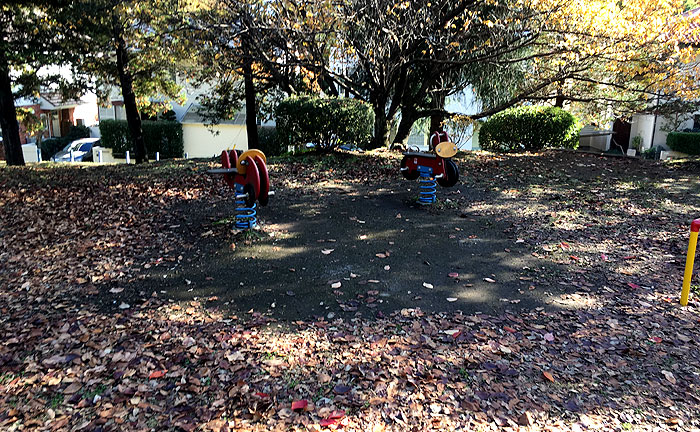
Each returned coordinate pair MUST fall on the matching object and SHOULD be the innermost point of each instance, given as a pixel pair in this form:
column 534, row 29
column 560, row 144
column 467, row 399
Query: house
column 199, row 139
column 58, row 115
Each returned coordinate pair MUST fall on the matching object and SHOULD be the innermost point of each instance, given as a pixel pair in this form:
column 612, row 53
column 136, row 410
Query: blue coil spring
column 427, row 185
column 246, row 217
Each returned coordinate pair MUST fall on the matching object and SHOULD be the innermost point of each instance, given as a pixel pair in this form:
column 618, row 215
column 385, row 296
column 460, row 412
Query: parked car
column 82, row 150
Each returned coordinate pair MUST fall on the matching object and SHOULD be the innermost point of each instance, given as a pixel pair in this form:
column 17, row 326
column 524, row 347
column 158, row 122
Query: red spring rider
column 247, row 175
column 432, row 167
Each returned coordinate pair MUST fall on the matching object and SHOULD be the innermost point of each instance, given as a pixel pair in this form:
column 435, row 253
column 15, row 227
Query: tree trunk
column 382, row 129
column 8, row 117
column 559, row 99
column 436, row 120
column 408, row 118
column 251, row 121
column 126, row 80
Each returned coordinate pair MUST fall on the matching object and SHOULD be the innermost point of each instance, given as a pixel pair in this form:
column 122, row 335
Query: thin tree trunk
column 8, row 117
column 382, row 129
column 437, row 119
column 403, row 132
column 133, row 119
column 251, row 121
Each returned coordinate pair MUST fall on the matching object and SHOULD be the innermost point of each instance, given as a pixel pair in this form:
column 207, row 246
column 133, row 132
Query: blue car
column 82, row 151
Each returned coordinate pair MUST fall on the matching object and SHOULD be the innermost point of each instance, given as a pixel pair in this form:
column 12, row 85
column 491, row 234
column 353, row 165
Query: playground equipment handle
column 689, row 261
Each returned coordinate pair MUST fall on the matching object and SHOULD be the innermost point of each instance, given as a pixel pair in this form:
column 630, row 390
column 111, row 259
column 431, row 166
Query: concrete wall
column 594, row 138
column 30, row 153
column 199, row 142
column 106, row 155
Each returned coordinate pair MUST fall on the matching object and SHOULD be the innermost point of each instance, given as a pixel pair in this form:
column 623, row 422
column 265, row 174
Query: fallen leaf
column 299, row 405
column 341, row 389
column 427, row 285
column 489, row 280
column 157, row 374
column 327, row 251
column 548, row 376
column 73, row 388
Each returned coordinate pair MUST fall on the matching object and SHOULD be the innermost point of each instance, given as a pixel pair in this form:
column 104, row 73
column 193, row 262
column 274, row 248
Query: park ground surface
column 539, row 294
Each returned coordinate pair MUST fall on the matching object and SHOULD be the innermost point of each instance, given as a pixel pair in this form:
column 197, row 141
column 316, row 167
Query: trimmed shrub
column 529, row 128
column 160, row 136
column 49, row 147
column 326, row 122
column 115, row 135
column 74, row 133
column 684, row 142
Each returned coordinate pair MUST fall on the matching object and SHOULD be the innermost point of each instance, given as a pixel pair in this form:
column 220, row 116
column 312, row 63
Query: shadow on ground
column 382, row 253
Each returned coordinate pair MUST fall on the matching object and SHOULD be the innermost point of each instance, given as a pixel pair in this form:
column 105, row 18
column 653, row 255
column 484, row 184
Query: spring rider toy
column 433, row 168
column 247, row 175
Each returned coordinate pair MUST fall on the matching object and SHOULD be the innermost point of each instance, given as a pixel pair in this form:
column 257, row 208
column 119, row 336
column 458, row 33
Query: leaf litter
column 66, row 364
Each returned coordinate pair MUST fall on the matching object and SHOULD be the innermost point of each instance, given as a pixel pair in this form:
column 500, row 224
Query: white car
column 82, row 151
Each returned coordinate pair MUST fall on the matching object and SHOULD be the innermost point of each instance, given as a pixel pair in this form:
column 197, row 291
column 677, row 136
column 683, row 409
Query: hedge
column 529, row 128
column 326, row 122
column 684, row 142
column 160, row 136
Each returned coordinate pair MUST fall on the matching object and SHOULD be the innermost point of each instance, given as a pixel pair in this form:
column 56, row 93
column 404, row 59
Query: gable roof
column 192, row 117
column 692, row 36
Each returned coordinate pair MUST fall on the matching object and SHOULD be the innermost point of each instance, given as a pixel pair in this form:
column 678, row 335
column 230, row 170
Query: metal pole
column 99, row 156
column 128, row 159
column 689, row 261
column 157, row 156
column 72, row 156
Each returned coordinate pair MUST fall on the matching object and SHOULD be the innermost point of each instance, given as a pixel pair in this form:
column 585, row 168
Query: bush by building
column 684, row 142
column 529, row 128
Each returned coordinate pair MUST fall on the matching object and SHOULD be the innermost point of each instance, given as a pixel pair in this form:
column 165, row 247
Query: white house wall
column 87, row 111
column 642, row 125
column 199, row 142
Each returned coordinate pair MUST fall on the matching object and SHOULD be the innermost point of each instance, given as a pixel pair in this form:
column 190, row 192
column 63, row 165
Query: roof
column 48, row 102
column 192, row 117
column 692, row 37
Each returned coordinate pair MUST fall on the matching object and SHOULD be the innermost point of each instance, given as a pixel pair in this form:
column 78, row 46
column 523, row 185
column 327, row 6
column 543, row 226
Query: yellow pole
column 689, row 261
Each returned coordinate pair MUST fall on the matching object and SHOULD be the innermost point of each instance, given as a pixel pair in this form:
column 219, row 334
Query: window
column 79, row 122
column 86, row 147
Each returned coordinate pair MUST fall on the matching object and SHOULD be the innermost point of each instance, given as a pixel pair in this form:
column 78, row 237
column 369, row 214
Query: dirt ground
column 332, row 245
column 358, row 249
